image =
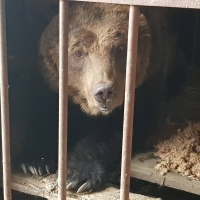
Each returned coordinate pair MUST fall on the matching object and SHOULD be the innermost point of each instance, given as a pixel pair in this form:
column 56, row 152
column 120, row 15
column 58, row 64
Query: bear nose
column 104, row 94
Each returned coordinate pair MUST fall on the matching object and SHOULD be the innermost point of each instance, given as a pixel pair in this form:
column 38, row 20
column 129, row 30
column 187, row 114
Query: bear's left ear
column 121, row 31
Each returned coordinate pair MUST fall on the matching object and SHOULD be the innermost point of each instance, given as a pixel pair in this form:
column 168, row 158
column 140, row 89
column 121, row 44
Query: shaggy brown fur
column 97, row 50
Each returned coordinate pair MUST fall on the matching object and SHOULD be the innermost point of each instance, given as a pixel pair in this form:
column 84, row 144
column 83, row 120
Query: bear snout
column 104, row 94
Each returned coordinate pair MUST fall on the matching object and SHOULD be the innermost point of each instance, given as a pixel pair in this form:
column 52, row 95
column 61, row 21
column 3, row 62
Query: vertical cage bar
column 5, row 129
column 63, row 98
column 129, row 101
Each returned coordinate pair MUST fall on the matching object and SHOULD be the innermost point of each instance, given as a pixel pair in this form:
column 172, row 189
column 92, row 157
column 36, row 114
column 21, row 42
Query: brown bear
column 97, row 67
column 97, row 54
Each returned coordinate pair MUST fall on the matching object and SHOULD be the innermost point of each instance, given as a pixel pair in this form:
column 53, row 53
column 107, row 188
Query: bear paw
column 81, row 177
column 85, row 176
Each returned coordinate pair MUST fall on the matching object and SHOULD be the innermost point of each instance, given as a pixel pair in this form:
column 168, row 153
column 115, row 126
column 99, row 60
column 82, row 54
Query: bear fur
column 102, row 44
column 97, row 56
column 97, row 67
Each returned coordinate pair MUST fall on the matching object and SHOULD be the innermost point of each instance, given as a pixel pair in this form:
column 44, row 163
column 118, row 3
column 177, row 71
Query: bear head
column 97, row 48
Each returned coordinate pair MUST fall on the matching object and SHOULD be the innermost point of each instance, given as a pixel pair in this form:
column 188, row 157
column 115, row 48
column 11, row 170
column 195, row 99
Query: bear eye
column 121, row 48
column 78, row 54
column 119, row 34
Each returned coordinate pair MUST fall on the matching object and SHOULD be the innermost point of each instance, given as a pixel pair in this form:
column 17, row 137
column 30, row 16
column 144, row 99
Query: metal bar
column 63, row 98
column 160, row 3
column 5, row 129
column 129, row 101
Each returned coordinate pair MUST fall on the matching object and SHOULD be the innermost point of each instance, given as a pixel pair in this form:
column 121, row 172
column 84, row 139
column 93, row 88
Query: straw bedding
column 181, row 152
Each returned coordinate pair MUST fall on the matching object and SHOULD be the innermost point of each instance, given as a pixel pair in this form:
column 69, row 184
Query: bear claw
column 74, row 183
column 71, row 185
column 85, row 187
column 36, row 168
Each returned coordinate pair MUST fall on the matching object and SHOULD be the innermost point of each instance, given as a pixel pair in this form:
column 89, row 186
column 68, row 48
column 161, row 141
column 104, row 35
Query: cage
column 142, row 165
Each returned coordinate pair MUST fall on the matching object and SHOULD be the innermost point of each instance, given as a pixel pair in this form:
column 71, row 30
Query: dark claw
column 38, row 168
column 71, row 185
column 31, row 169
column 41, row 169
column 35, row 170
column 84, row 188
column 23, row 167
column 47, row 169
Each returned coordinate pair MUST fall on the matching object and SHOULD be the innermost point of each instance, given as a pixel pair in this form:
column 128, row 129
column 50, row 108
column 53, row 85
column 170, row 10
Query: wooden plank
column 33, row 186
column 46, row 187
column 160, row 3
column 142, row 167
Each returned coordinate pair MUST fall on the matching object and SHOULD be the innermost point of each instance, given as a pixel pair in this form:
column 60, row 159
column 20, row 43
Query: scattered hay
column 181, row 152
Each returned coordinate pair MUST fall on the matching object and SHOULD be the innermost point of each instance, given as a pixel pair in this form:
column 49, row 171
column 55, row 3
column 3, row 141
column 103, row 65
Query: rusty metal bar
column 129, row 101
column 160, row 3
column 63, row 98
column 5, row 129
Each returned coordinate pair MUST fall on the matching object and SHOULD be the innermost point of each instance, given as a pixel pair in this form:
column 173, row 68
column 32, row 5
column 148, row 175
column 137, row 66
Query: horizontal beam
column 45, row 187
column 159, row 3
column 143, row 168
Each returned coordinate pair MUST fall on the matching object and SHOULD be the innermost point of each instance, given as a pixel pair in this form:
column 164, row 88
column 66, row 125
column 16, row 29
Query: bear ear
column 43, row 9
